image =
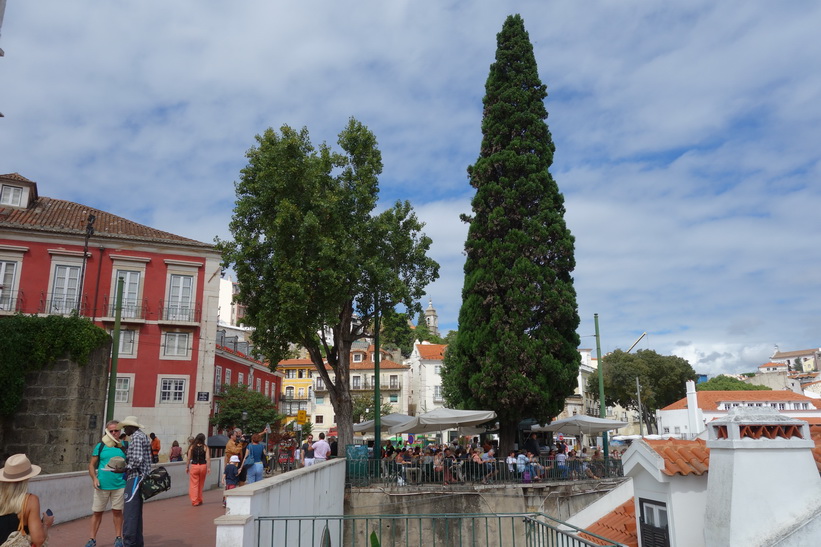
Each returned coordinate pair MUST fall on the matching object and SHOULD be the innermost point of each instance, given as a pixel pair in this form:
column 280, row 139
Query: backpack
column 156, row 482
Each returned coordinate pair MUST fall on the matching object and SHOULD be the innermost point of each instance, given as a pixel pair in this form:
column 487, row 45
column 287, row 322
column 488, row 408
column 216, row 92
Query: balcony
column 60, row 304
column 180, row 314
column 369, row 386
column 131, row 311
column 10, row 301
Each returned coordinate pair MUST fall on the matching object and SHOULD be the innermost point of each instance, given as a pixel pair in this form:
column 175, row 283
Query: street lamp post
column 602, row 410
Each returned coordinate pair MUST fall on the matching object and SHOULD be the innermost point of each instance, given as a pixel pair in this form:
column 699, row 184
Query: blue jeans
column 133, row 514
column 254, row 473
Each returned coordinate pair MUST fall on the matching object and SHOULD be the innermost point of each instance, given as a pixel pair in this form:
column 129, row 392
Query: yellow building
column 297, row 386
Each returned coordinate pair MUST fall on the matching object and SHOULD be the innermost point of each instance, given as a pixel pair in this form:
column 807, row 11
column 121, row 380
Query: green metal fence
column 440, row 530
column 362, row 471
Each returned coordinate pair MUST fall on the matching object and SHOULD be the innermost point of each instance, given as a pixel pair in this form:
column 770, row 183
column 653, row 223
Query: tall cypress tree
column 516, row 352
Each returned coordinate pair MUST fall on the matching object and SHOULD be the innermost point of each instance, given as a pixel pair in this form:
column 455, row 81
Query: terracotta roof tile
column 709, row 400
column 15, row 176
column 682, row 457
column 799, row 353
column 768, row 365
column 619, row 526
column 50, row 215
column 433, row 352
column 383, row 365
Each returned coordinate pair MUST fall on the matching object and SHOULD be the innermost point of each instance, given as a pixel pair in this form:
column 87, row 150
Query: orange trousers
column 196, row 480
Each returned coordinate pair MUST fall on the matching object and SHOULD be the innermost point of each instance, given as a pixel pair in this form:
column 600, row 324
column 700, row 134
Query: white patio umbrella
column 386, row 421
column 444, row 418
column 580, row 425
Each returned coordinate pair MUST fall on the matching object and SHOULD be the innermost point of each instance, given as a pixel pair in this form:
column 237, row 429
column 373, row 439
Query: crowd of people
column 478, row 462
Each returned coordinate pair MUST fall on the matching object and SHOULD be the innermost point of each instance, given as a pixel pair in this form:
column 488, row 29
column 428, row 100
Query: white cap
column 234, row 459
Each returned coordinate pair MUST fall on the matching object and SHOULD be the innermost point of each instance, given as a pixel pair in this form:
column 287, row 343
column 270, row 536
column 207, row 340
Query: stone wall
column 61, row 416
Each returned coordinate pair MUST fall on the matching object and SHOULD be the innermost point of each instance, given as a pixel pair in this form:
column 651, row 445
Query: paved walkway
column 170, row 522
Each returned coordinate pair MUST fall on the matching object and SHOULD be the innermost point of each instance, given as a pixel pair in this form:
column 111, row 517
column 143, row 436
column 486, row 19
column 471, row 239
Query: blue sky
column 687, row 136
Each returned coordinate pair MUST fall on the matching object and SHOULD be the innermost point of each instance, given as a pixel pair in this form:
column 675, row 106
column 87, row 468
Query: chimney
column 695, row 425
column 763, row 483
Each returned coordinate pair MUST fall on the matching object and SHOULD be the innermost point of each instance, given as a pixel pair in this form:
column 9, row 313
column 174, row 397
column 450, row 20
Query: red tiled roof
column 295, row 362
column 619, row 526
column 768, row 365
column 15, row 176
column 709, row 400
column 50, row 215
column 682, row 457
column 383, row 364
column 815, row 435
column 432, row 352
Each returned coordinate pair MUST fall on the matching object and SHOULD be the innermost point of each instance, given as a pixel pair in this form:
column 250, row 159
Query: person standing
column 334, row 447
column 17, row 506
column 253, row 460
column 532, row 444
column 307, row 454
column 155, row 448
column 199, row 460
column 322, row 450
column 176, row 452
column 108, row 481
column 234, row 446
column 138, row 465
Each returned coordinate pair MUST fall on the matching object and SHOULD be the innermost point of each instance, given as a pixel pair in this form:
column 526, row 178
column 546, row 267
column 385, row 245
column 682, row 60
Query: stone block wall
column 61, row 416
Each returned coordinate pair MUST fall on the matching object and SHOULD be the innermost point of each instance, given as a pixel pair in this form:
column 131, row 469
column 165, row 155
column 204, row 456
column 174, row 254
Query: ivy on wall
column 28, row 343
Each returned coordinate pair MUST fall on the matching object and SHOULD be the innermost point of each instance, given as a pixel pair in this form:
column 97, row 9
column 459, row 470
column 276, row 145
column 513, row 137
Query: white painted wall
column 318, row 490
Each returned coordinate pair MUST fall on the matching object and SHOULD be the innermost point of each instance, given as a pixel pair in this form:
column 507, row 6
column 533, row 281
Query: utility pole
column 638, row 395
column 377, row 394
column 602, row 410
column 89, row 233
column 115, row 351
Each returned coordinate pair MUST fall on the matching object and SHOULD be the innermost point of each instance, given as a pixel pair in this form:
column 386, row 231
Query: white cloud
column 686, row 136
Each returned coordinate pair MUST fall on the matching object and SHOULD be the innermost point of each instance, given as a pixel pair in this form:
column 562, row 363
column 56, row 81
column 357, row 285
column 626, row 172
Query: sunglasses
column 113, row 430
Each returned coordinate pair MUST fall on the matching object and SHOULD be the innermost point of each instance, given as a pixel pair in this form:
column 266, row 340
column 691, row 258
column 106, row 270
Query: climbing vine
column 28, row 343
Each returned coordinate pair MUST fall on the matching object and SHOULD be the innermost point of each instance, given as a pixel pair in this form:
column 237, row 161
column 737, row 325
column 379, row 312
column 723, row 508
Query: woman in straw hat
column 17, row 506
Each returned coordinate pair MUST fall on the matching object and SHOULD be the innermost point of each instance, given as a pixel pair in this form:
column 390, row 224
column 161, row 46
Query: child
column 231, row 475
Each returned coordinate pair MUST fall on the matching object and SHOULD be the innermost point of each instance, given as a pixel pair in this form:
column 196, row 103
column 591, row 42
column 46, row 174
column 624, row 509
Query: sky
column 687, row 137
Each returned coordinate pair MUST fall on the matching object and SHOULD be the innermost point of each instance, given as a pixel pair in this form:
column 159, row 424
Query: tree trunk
column 508, row 432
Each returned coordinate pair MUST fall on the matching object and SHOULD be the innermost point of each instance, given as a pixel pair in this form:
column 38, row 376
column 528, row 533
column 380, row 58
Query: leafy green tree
column 363, row 408
column 314, row 264
column 662, row 379
column 236, row 399
column 728, row 383
column 516, row 352
column 397, row 332
column 421, row 332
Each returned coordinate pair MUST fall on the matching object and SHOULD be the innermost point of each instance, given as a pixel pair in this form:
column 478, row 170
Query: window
column 267, row 388
column 259, row 384
column 128, row 343
column 653, row 521
column 289, row 392
column 11, row 195
column 301, row 393
column 228, row 376
column 217, row 379
column 241, row 378
column 394, row 398
column 65, row 289
column 320, row 384
column 437, row 369
column 394, row 382
column 437, row 393
column 172, row 390
column 320, row 400
column 319, row 419
column 357, row 357
column 356, row 382
column 310, row 392
column 7, row 270
column 301, row 373
column 180, row 290
column 131, row 293
column 290, row 373
column 176, row 344
column 122, row 389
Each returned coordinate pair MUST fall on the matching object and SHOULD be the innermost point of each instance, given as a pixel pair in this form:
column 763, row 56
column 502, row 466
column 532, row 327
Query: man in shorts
column 106, row 469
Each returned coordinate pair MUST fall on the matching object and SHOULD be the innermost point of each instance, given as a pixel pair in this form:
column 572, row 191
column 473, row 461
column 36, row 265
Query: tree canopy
column 236, row 399
column 313, row 262
column 516, row 352
column 363, row 408
column 662, row 379
column 397, row 332
column 727, row 383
